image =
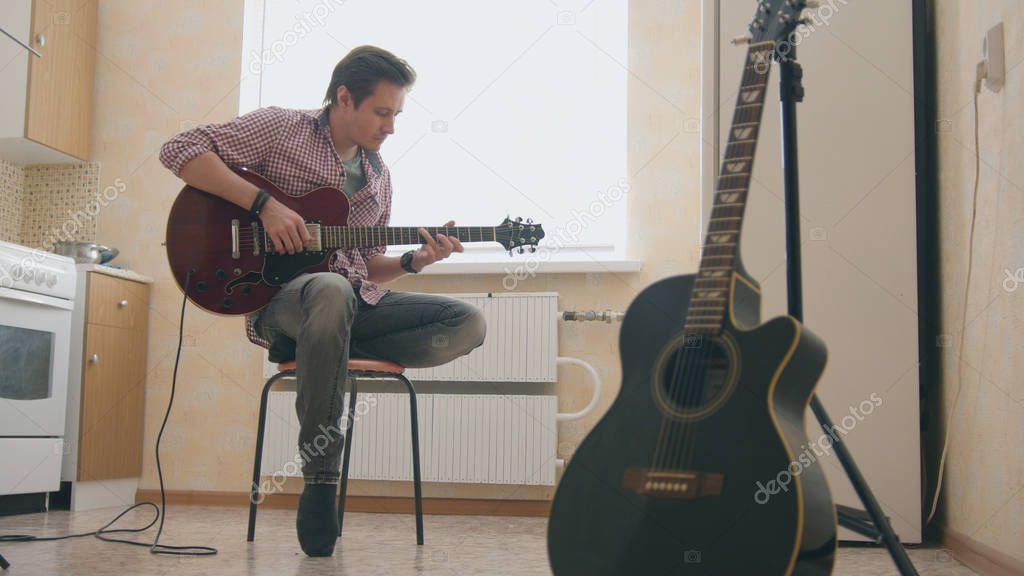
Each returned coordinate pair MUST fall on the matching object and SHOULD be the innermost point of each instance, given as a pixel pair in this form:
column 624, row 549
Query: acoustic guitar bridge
column 675, row 484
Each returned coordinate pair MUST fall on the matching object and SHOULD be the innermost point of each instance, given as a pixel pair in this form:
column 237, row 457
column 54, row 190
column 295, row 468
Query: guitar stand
column 872, row 523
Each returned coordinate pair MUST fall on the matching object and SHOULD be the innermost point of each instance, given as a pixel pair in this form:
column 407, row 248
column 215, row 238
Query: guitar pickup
column 315, row 241
column 674, row 484
column 236, row 250
column 255, row 227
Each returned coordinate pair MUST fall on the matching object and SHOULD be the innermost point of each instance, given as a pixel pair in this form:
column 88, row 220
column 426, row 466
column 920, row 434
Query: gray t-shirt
column 354, row 177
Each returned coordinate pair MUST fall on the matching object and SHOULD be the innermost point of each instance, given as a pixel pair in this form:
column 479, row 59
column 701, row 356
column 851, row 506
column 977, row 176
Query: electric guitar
column 236, row 269
column 702, row 465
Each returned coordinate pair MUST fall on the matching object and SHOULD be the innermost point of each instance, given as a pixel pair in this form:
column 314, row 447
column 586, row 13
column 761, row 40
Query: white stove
column 37, row 291
column 36, row 271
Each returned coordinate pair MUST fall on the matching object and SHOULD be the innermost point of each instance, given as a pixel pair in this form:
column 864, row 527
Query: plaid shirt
column 293, row 149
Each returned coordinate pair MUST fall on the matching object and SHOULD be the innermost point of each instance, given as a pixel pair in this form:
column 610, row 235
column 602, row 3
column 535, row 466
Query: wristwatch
column 406, row 262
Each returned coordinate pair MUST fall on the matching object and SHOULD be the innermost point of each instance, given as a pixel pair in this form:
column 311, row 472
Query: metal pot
column 86, row 252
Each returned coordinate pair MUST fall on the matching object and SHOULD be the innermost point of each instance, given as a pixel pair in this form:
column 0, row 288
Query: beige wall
column 166, row 66
column 984, row 480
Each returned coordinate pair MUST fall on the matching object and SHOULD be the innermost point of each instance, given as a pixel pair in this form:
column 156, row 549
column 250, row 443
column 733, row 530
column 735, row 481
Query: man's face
column 374, row 120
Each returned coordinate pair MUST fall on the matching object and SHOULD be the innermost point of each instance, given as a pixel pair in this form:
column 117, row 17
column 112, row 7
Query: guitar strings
column 356, row 235
column 754, row 75
column 693, row 385
column 676, row 431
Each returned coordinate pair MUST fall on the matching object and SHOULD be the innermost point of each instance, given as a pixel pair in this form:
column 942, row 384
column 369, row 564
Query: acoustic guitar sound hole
column 695, row 375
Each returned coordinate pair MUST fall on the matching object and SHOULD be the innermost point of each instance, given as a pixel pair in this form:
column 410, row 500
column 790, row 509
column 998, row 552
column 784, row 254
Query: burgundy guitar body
column 224, row 262
column 224, row 281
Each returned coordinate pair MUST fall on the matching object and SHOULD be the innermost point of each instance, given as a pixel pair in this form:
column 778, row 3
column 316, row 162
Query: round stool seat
column 358, row 365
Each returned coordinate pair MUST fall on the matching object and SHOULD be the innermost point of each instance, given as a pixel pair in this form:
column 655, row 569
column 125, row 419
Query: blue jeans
column 321, row 318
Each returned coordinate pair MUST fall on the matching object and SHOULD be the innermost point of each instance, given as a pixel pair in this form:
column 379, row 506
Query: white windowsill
column 580, row 259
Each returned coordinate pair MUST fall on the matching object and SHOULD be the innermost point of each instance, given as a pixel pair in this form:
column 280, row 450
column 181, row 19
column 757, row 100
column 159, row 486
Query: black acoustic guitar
column 701, row 464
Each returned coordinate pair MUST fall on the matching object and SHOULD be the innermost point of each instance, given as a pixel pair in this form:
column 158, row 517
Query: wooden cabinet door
column 113, row 402
column 117, row 302
column 60, row 84
column 16, row 19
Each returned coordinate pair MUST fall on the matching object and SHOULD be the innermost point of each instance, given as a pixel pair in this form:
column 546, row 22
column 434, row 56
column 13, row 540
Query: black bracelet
column 257, row 205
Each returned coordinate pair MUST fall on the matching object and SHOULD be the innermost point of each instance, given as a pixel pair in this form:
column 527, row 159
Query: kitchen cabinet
column 106, row 388
column 46, row 106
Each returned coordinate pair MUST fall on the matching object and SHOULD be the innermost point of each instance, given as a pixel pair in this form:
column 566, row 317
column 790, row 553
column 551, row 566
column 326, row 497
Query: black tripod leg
column 881, row 523
column 791, row 91
column 4, row 564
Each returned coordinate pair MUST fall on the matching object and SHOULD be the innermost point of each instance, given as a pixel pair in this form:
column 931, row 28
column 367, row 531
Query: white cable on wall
column 967, row 290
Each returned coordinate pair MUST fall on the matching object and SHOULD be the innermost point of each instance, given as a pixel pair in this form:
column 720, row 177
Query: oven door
column 35, row 333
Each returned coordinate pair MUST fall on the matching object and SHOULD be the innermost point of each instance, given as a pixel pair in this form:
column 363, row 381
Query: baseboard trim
column 378, row 504
column 981, row 557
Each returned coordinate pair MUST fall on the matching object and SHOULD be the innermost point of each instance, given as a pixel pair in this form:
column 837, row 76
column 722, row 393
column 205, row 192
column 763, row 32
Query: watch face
column 406, row 262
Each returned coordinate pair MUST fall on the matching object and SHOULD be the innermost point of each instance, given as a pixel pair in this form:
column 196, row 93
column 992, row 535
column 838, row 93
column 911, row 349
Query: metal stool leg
column 349, row 428
column 416, row 482
column 254, row 492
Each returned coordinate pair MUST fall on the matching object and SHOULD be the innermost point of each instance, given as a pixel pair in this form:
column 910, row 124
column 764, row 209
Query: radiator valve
column 607, row 316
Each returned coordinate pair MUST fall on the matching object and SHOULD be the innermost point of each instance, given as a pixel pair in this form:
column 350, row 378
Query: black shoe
column 317, row 521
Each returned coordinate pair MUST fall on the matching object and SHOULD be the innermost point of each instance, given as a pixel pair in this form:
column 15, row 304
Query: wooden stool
column 358, row 369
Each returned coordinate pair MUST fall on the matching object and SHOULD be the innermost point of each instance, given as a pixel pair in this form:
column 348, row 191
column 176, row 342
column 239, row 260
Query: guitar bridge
column 674, row 484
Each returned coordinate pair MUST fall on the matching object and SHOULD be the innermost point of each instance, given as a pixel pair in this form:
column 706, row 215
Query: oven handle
column 11, row 294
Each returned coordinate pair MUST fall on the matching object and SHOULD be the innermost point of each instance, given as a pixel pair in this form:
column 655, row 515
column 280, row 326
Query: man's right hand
column 285, row 227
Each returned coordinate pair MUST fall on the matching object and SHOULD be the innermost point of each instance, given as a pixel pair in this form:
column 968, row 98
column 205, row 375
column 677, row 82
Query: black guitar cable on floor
column 155, row 547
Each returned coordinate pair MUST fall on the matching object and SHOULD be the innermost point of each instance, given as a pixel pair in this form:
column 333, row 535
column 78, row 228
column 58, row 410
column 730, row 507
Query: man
column 319, row 318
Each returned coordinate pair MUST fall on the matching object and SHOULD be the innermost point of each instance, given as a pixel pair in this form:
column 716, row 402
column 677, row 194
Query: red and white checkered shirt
column 293, row 149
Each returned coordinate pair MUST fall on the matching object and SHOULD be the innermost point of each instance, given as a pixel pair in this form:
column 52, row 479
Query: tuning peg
column 521, row 250
column 529, row 220
column 519, row 219
column 533, row 249
column 740, row 40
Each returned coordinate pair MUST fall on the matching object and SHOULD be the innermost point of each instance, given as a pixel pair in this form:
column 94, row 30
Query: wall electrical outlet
column 994, row 58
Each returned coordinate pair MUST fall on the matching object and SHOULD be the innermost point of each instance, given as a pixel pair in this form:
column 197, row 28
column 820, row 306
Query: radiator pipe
column 566, row 417
column 607, row 316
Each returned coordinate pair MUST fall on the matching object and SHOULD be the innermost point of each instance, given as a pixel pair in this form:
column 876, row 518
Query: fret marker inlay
column 743, row 133
column 736, row 166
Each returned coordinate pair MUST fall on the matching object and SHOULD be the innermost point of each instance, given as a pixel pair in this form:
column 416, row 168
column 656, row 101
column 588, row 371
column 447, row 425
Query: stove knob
column 51, row 279
column 16, row 272
column 29, row 274
column 40, row 278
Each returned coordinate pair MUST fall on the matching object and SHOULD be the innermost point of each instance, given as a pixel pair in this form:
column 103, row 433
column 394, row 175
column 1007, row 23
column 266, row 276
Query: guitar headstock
column 776, row 20
column 513, row 234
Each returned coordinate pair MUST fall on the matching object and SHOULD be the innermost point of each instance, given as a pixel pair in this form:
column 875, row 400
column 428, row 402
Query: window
column 519, row 108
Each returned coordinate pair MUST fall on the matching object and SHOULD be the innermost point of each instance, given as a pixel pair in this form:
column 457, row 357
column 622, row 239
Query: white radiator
column 464, row 438
column 521, row 343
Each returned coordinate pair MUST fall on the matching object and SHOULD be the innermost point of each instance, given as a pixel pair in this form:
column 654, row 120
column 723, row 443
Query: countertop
column 111, row 271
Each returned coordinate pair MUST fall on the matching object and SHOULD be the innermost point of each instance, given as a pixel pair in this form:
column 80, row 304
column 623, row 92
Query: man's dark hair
column 361, row 69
